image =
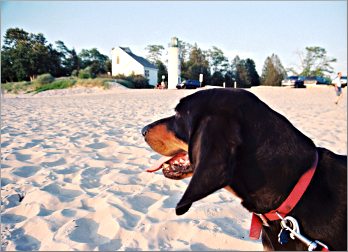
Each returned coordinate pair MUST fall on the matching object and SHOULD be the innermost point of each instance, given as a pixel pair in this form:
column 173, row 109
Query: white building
column 125, row 62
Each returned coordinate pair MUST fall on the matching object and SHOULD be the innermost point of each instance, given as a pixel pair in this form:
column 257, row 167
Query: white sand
column 79, row 160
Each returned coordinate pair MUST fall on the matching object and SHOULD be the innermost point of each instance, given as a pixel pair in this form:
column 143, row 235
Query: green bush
column 84, row 75
column 133, row 81
column 58, row 84
column 139, row 81
column 44, row 79
column 120, row 76
column 74, row 73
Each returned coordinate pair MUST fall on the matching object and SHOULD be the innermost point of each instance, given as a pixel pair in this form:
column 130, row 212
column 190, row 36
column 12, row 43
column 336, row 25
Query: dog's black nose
column 144, row 130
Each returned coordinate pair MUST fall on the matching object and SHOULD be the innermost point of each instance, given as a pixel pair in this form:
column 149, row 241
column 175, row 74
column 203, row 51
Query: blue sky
column 253, row 29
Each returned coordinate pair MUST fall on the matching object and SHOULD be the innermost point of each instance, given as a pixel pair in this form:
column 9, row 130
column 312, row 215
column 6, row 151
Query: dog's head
column 212, row 138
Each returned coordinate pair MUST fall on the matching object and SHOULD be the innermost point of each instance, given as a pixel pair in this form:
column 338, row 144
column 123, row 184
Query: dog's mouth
column 175, row 167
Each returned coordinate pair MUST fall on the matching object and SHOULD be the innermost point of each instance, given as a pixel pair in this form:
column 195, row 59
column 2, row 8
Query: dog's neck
column 267, row 188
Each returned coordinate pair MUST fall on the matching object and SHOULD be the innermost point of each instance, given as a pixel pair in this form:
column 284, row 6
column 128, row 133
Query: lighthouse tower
column 174, row 69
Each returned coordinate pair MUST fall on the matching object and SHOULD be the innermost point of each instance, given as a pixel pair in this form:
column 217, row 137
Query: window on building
column 147, row 73
column 118, row 60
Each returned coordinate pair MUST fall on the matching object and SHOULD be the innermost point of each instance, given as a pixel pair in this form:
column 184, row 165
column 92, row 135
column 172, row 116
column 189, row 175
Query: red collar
column 286, row 207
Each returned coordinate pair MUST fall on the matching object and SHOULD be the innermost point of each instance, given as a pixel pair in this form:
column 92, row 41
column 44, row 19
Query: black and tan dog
column 230, row 139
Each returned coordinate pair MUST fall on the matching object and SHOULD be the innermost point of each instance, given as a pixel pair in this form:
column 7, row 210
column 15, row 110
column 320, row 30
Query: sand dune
column 73, row 171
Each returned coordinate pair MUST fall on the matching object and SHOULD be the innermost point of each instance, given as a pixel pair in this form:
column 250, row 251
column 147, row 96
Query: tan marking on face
column 163, row 141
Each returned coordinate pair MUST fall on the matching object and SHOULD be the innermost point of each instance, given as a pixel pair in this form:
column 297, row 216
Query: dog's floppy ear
column 212, row 151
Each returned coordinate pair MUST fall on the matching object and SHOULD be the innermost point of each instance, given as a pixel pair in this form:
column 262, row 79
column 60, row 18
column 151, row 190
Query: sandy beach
column 73, row 171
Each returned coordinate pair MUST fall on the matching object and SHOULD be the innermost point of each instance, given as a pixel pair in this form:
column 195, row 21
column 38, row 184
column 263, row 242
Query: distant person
column 338, row 86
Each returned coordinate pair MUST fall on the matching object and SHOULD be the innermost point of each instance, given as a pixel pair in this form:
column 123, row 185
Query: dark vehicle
column 290, row 81
column 294, row 81
column 189, row 84
column 299, row 83
column 316, row 80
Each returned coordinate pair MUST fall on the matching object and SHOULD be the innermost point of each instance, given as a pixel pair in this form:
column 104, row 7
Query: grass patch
column 16, row 87
column 57, row 84
column 97, row 82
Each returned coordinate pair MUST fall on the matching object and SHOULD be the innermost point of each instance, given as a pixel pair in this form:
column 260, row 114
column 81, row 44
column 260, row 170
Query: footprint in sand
column 24, row 242
column 69, row 170
column 113, row 245
column 90, row 178
column 129, row 221
column 26, row 171
column 21, row 157
column 12, row 201
column 97, row 145
column 86, row 232
column 60, row 161
column 44, row 211
column 230, row 227
column 4, row 166
column 33, row 143
column 5, row 144
column 5, row 181
column 12, row 218
column 200, row 247
column 68, row 212
column 64, row 195
column 141, row 203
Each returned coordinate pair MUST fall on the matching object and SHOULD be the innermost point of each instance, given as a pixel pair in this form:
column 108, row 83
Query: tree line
column 217, row 69
column 212, row 63
column 25, row 55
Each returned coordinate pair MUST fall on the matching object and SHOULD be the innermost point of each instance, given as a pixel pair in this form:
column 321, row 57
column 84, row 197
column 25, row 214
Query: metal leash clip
column 290, row 224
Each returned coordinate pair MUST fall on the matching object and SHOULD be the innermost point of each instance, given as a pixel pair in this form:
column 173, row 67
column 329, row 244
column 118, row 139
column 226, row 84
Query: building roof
column 141, row 60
